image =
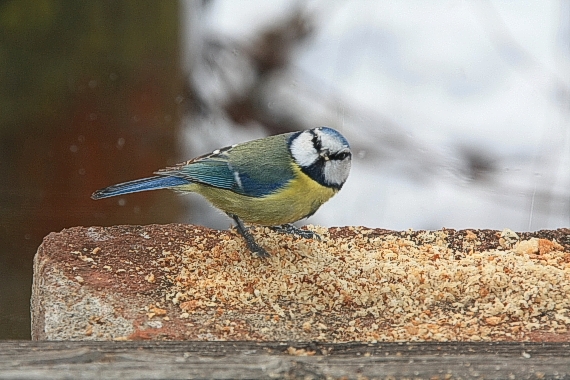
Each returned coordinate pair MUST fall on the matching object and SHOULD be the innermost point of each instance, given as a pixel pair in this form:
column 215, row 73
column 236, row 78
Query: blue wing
column 217, row 170
column 256, row 168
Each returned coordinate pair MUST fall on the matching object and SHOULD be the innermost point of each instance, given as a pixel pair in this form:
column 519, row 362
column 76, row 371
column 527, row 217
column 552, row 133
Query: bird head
column 323, row 154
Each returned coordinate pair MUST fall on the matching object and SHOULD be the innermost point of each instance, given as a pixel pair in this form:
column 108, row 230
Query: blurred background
column 457, row 111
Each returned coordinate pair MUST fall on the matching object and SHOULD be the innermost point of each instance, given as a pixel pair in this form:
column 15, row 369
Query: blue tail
column 144, row 184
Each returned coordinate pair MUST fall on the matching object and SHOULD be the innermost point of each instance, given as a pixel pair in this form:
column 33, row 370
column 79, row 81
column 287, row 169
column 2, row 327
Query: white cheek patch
column 336, row 172
column 303, row 150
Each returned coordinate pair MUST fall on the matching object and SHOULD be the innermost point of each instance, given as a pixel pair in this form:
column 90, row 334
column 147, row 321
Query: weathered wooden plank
column 249, row 360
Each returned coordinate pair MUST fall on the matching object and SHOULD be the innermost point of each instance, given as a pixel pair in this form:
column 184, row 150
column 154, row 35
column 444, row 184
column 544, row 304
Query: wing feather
column 247, row 169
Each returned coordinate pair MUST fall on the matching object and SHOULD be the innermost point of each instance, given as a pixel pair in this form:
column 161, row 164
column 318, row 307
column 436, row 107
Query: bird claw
column 259, row 252
column 292, row 230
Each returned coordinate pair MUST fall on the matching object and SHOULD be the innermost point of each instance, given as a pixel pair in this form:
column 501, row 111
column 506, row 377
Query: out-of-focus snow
column 490, row 77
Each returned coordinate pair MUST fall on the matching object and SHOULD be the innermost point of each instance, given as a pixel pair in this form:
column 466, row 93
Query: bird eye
column 340, row 156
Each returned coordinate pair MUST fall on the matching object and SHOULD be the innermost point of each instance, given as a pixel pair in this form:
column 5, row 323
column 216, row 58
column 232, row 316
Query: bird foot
column 292, row 230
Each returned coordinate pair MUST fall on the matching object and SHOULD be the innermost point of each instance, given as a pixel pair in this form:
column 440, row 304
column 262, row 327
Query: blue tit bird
column 273, row 181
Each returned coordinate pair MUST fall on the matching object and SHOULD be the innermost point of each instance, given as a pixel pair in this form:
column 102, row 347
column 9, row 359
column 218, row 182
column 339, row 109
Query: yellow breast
column 300, row 198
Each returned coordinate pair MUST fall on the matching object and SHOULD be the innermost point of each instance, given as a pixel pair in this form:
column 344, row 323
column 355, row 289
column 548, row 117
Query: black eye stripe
column 339, row 156
column 316, row 141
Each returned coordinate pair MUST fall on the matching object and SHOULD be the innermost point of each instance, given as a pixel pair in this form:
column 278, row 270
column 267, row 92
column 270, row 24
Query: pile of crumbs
column 358, row 284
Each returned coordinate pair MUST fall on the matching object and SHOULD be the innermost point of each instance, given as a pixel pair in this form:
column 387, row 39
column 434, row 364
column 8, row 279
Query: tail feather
column 144, row 184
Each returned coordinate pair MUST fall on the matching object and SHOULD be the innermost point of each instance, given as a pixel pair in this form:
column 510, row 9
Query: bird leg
column 292, row 230
column 249, row 240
